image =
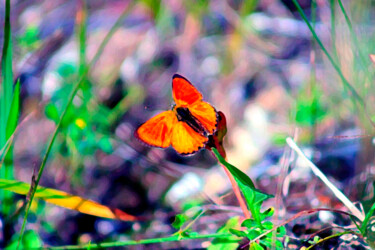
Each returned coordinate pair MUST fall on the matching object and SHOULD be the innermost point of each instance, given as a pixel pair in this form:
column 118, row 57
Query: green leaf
column 367, row 218
column 268, row 213
column 256, row 246
column 271, row 243
column 252, row 234
column 14, row 111
column 30, row 38
column 314, row 240
column 267, row 225
column 232, row 222
column 254, row 197
column 238, row 232
column 224, row 243
column 281, row 231
column 238, row 174
column 249, row 223
column 51, row 112
column 219, row 244
column 309, row 112
column 179, row 220
column 31, row 239
column 105, row 144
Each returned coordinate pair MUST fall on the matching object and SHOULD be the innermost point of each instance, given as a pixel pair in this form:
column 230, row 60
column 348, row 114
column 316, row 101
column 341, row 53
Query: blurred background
column 254, row 60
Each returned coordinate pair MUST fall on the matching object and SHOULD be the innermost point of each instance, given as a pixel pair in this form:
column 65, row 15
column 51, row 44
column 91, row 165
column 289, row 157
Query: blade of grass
column 141, row 242
column 14, row 111
column 4, row 150
column 6, row 95
column 7, row 75
column 313, row 88
column 81, row 33
column 362, row 57
column 8, row 156
column 352, row 208
column 70, row 99
column 345, row 82
column 81, row 20
column 11, row 126
column 367, row 218
column 333, row 28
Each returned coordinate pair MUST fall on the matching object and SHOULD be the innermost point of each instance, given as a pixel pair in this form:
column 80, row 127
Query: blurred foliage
column 29, row 40
column 85, row 126
column 31, row 240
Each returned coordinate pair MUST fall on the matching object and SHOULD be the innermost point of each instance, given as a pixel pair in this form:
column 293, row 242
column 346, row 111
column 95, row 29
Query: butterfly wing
column 205, row 114
column 158, row 130
column 186, row 140
column 184, row 93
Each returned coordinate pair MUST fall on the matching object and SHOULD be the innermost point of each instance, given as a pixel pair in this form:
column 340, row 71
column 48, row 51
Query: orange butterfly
column 187, row 126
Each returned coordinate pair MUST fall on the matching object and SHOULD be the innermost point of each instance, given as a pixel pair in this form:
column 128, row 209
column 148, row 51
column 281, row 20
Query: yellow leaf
column 67, row 200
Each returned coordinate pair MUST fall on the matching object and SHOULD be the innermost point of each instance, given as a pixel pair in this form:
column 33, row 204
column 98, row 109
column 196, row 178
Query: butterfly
column 187, row 126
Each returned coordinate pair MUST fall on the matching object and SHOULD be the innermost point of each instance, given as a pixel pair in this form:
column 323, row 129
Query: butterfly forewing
column 158, row 130
column 184, row 93
column 205, row 114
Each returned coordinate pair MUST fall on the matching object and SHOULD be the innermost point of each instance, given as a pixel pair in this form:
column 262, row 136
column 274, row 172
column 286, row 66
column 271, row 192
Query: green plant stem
column 70, row 99
column 345, row 82
column 329, row 237
column 141, row 242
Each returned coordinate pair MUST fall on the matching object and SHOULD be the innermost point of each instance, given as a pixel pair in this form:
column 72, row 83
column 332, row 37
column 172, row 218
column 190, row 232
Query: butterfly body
column 184, row 115
column 187, row 126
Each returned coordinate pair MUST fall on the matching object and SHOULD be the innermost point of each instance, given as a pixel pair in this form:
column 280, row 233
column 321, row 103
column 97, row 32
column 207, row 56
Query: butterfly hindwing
column 186, row 140
column 184, row 93
column 158, row 130
column 205, row 114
